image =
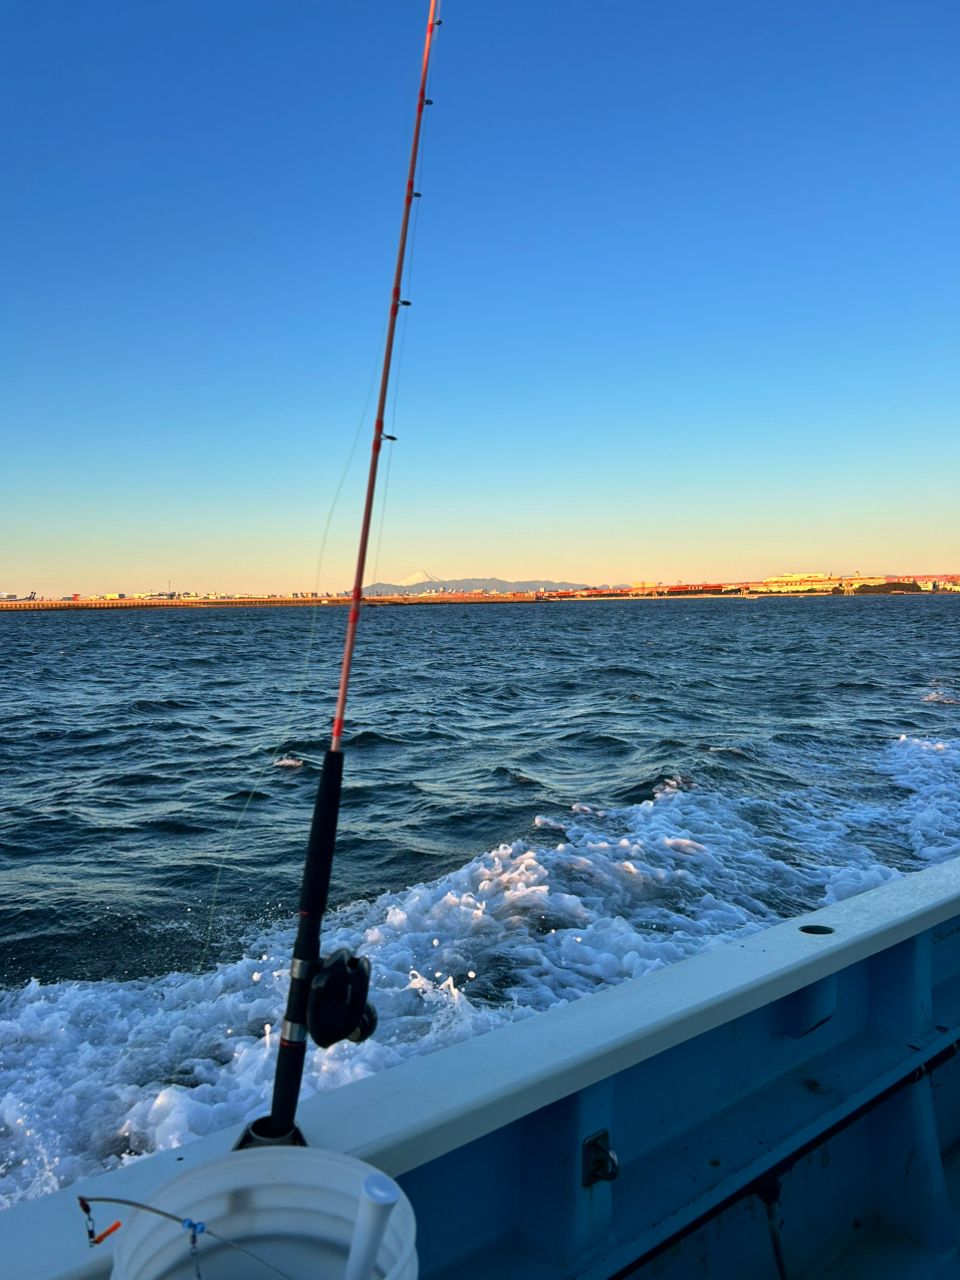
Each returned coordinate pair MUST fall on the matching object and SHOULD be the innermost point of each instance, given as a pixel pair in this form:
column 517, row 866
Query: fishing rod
column 327, row 998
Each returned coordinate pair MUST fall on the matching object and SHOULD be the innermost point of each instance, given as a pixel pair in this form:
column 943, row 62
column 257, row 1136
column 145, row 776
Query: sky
column 685, row 291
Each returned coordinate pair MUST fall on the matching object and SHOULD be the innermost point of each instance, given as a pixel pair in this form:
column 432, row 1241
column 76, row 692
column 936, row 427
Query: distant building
column 795, row 582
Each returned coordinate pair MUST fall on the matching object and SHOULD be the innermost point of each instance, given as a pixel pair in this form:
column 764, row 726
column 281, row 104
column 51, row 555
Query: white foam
column 93, row 1071
column 930, row 769
column 683, row 846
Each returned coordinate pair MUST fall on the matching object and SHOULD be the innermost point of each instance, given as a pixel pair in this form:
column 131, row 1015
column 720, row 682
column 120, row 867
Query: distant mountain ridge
column 422, row 581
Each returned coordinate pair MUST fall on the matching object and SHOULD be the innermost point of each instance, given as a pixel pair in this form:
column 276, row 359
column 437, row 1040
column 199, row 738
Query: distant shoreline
column 307, row 602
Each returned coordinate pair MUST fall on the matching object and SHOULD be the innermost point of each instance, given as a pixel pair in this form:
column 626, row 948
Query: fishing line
column 195, row 1228
column 411, row 256
column 393, row 430
column 383, row 513
column 297, row 699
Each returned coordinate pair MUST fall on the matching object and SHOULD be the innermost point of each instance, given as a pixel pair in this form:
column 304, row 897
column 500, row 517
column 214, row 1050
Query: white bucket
column 294, row 1207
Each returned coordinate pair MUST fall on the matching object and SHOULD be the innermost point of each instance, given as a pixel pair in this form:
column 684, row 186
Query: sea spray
column 514, row 931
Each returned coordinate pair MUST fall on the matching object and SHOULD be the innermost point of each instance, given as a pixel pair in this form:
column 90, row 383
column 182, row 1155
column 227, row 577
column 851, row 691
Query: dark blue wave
column 143, row 821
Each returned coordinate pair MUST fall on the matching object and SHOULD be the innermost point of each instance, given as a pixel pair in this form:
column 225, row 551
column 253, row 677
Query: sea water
column 541, row 800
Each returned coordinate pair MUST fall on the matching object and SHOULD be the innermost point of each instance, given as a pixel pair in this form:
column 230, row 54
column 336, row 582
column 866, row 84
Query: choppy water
column 540, row 800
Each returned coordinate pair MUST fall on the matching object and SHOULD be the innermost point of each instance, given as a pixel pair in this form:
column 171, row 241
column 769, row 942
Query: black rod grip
column 323, row 837
column 313, row 901
column 286, row 1089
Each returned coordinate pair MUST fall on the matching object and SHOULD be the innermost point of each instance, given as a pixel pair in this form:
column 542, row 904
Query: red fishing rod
column 328, row 996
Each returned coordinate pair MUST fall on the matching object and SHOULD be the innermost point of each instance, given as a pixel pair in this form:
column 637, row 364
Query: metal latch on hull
column 599, row 1161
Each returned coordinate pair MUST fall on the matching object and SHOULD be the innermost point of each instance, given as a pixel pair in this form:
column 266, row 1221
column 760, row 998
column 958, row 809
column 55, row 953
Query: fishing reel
column 337, row 1007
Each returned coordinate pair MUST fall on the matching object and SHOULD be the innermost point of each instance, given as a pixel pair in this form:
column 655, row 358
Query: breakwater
column 266, row 602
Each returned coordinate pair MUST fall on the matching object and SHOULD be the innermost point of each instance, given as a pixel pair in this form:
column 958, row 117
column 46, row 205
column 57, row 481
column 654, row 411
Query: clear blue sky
column 686, row 289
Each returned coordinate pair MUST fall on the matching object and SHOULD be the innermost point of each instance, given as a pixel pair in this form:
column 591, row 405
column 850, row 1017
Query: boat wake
column 603, row 896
